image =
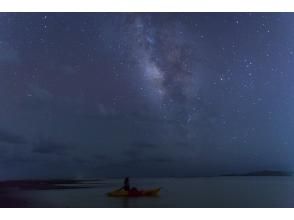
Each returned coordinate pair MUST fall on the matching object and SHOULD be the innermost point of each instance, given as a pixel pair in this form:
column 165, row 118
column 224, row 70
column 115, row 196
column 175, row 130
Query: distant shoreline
column 261, row 173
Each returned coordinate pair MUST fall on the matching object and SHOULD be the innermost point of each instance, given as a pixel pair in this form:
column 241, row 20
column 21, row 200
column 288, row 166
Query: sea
column 200, row 192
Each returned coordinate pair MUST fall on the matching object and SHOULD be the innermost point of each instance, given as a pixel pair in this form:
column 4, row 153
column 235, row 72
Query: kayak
column 134, row 193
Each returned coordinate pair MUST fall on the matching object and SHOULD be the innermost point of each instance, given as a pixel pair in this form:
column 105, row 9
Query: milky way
column 145, row 94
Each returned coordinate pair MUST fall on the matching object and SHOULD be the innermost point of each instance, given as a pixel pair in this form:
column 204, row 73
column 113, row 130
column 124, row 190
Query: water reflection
column 126, row 203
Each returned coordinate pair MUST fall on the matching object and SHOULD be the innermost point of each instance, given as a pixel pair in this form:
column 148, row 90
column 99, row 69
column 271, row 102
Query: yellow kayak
column 134, row 193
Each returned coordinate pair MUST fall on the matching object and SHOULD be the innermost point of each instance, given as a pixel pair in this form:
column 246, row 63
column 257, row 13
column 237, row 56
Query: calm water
column 176, row 192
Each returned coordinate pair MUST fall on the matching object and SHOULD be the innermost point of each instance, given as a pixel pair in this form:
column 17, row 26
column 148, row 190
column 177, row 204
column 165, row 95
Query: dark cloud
column 11, row 138
column 144, row 145
column 44, row 146
column 141, row 152
column 161, row 160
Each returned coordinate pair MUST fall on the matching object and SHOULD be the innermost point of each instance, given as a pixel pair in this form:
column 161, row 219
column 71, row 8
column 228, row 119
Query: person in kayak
column 127, row 187
column 126, row 184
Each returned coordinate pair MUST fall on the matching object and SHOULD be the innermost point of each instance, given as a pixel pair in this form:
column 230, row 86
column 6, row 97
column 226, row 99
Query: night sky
column 145, row 94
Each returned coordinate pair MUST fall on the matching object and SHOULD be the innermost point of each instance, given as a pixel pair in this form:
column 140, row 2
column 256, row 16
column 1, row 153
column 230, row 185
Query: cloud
column 8, row 54
column 144, row 145
column 142, row 150
column 160, row 160
column 39, row 92
column 68, row 69
column 8, row 137
column 50, row 147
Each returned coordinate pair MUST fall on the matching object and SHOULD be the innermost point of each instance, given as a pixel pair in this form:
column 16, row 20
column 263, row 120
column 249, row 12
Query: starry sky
column 145, row 94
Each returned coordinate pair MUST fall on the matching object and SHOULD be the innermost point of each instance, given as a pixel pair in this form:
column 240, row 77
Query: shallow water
column 176, row 192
